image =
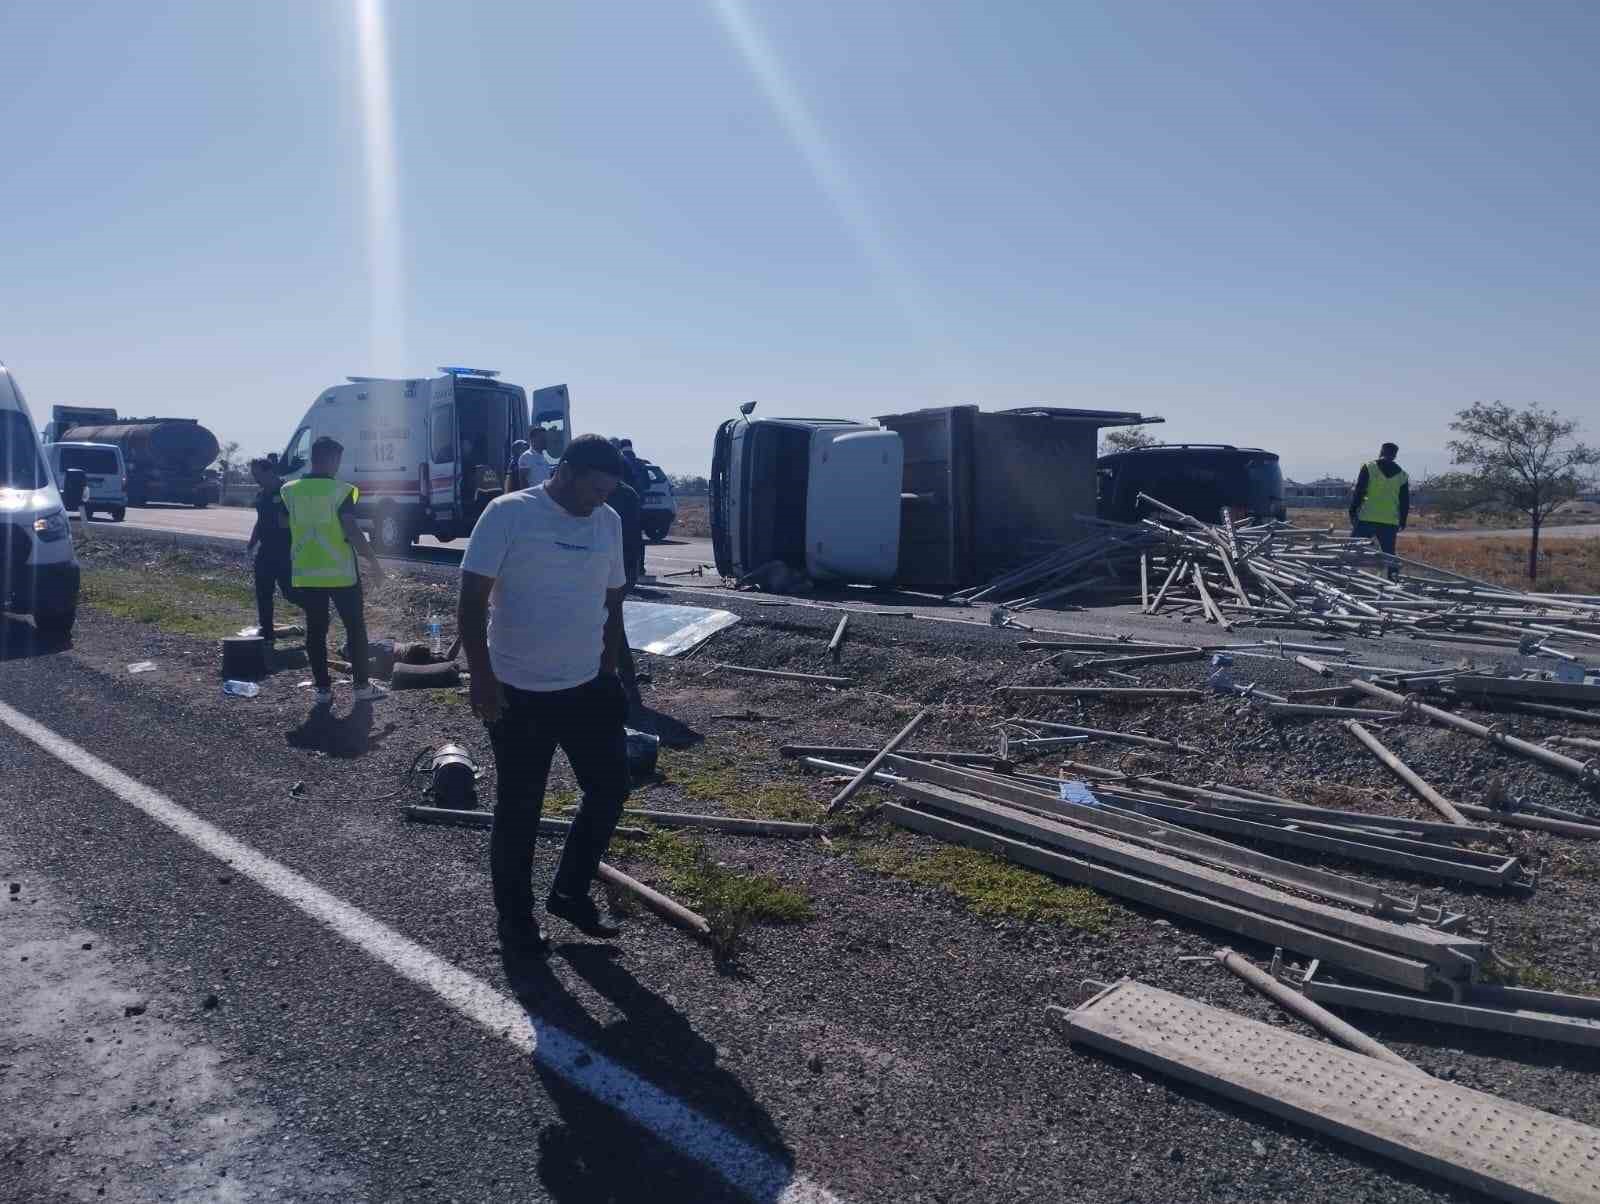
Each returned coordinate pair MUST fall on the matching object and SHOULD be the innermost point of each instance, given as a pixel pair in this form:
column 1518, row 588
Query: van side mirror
column 74, row 484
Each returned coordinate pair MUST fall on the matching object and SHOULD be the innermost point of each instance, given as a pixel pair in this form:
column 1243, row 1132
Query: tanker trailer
column 167, row 458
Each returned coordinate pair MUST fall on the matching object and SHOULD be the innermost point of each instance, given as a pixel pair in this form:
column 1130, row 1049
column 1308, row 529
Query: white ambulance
column 427, row 454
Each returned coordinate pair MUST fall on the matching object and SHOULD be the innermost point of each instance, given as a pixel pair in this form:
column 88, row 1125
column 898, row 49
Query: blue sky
column 1309, row 227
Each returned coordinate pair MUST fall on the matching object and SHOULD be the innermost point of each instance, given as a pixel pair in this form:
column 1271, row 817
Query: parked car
column 1197, row 478
column 38, row 565
column 106, row 476
column 658, row 508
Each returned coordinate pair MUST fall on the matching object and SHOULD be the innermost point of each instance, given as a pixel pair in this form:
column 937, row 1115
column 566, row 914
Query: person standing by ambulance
column 532, row 467
column 323, row 542
column 540, row 619
column 1381, row 501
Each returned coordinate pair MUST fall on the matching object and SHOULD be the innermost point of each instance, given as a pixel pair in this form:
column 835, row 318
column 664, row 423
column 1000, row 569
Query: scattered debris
column 785, row 675
column 1492, row 1145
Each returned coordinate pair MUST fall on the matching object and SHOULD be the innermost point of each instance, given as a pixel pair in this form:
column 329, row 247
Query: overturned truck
column 938, row 498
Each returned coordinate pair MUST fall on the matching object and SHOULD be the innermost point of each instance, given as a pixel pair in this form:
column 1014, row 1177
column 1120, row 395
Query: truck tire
column 393, row 531
column 118, row 513
column 655, row 529
column 55, row 626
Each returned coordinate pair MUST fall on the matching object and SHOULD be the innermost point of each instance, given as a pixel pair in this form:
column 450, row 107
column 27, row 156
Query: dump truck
column 166, row 458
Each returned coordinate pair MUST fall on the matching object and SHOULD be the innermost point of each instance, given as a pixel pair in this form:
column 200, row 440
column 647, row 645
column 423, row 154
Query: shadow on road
column 19, row 640
column 345, row 737
column 600, row 1152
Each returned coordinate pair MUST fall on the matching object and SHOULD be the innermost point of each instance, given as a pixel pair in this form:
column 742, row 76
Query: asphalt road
column 234, row 522
column 217, row 992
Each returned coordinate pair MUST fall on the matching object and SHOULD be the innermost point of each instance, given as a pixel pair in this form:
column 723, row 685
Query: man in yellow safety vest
column 324, row 540
column 1381, row 500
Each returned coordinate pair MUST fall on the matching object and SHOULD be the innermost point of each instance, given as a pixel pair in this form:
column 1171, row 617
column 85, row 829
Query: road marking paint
column 753, row 1171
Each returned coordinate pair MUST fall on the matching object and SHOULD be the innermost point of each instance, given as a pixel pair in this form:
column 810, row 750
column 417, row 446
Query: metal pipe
column 668, row 909
column 1100, row 691
column 738, row 825
column 1404, row 772
column 871, row 766
column 1100, row 734
column 1327, row 712
column 787, row 676
column 836, row 644
column 485, row 819
column 918, row 754
column 1314, row 1015
column 1553, row 760
column 1536, row 823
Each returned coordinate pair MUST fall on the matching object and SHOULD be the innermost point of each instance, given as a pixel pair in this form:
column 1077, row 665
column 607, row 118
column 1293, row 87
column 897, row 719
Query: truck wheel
column 201, row 501
column 392, row 531
column 118, row 513
column 55, row 626
column 656, row 530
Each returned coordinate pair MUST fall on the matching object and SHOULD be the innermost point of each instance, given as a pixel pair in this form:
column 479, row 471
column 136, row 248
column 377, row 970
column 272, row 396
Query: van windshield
column 21, row 466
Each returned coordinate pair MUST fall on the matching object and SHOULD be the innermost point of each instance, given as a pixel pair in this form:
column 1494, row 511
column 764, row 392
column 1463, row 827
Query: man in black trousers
column 541, row 624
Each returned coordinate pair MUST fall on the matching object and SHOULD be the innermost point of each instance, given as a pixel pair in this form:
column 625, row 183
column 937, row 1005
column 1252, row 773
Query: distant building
column 1325, row 492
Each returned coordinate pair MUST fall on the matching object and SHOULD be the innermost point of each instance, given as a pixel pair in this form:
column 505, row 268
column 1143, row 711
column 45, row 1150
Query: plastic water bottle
column 436, row 635
column 244, row 689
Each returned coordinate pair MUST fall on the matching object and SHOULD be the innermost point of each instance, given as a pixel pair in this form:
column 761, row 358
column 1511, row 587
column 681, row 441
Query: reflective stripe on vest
column 1382, row 501
column 321, row 555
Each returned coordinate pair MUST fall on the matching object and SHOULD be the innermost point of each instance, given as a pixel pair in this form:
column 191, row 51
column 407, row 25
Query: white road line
column 753, row 1171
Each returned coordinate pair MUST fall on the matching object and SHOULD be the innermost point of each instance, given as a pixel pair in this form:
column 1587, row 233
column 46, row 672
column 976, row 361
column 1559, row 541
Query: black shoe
column 582, row 914
column 523, row 940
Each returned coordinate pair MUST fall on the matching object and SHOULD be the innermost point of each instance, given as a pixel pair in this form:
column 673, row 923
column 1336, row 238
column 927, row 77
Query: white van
column 427, row 454
column 38, row 566
column 107, row 475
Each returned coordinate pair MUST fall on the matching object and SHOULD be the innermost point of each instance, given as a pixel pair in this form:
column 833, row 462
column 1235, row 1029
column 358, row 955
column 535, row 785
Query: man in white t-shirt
column 541, row 623
column 532, row 467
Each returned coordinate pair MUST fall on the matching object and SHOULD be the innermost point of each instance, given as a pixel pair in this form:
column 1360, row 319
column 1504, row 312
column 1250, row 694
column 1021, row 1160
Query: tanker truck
column 166, row 458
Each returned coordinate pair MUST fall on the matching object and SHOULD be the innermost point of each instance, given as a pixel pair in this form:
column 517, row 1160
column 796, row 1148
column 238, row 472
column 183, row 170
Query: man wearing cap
column 1381, row 500
column 540, row 619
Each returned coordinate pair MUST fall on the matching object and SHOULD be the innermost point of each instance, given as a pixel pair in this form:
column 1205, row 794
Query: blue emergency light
column 450, row 371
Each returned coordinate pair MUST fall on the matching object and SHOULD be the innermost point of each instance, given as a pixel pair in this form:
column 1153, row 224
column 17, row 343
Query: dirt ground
column 889, row 975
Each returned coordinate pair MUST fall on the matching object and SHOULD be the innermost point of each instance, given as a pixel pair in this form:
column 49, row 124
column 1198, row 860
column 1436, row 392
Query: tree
column 1126, row 438
column 1527, row 461
column 225, row 458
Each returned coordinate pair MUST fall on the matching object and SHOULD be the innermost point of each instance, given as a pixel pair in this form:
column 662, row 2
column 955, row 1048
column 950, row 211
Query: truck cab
column 819, row 495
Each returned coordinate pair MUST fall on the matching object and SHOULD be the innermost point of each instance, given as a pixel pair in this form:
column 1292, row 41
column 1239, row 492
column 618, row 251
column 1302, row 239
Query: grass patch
column 712, row 777
column 177, row 604
column 990, row 885
column 731, row 901
column 1566, row 565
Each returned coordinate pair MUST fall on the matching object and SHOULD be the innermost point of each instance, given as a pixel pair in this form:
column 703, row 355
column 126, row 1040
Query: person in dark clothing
column 541, row 623
column 1381, row 501
column 269, row 540
column 625, row 502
